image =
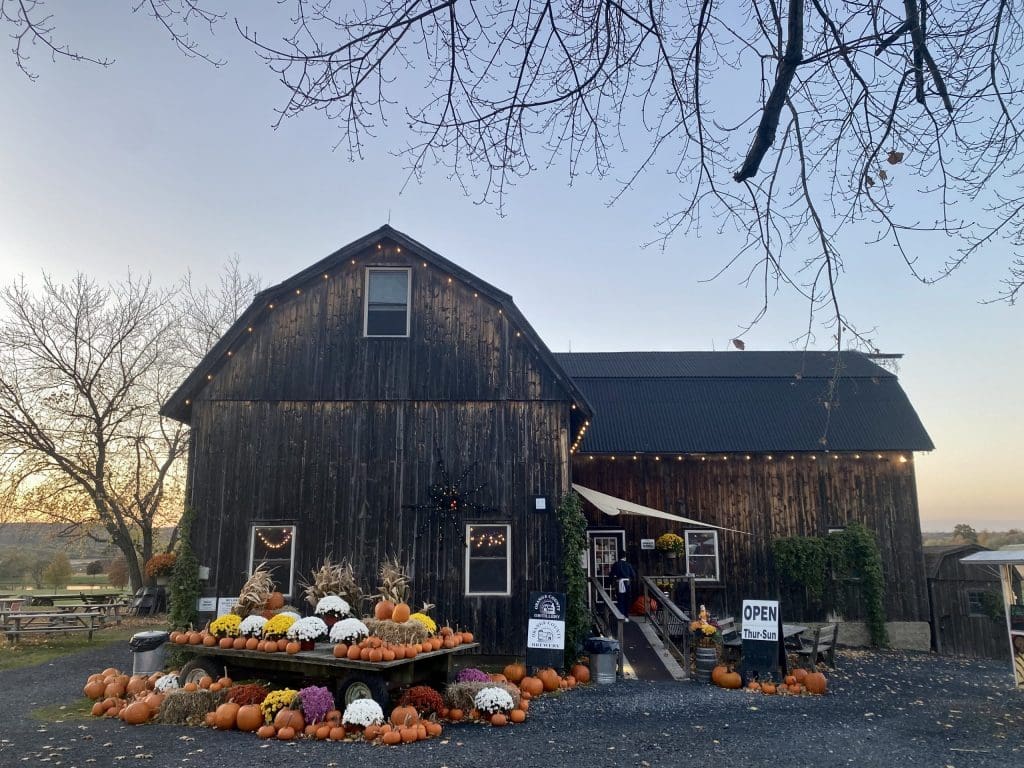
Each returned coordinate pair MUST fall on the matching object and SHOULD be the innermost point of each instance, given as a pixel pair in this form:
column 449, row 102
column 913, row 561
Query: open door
column 603, row 550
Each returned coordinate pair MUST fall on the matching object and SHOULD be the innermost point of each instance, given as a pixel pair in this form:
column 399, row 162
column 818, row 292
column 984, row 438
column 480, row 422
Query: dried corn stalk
column 255, row 592
column 327, row 580
column 348, row 586
column 394, row 584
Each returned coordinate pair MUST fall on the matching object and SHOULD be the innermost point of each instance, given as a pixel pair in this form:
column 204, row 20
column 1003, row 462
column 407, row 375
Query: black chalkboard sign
column 545, row 634
column 764, row 653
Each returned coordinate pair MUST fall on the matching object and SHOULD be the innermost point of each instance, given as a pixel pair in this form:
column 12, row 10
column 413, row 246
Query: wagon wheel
column 197, row 669
column 363, row 687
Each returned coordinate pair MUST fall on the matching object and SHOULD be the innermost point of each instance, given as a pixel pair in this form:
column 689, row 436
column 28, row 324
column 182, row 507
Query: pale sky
column 164, row 164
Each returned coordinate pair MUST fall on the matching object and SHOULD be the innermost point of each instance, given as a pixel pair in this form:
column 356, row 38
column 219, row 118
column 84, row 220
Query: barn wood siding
column 955, row 631
column 769, row 499
column 311, row 346
column 344, row 472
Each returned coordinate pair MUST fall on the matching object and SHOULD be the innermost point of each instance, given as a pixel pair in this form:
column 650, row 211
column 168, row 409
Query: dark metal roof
column 936, row 554
column 729, row 402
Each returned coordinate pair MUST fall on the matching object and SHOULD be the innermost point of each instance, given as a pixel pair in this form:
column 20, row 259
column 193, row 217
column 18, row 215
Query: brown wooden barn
column 385, row 401
column 769, row 443
column 966, row 604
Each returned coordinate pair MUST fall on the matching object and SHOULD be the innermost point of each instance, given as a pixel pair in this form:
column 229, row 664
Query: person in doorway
column 623, row 577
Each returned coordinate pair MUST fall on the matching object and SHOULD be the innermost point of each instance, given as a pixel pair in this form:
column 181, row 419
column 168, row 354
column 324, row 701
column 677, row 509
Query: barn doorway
column 603, row 547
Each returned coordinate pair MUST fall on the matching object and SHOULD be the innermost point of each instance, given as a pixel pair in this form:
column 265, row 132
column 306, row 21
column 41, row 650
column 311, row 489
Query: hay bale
column 462, row 695
column 391, row 632
column 189, row 707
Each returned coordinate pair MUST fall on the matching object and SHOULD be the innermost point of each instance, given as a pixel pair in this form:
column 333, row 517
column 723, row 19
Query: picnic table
column 87, row 598
column 18, row 623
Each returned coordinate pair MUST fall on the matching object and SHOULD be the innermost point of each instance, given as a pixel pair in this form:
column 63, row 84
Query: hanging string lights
column 266, row 541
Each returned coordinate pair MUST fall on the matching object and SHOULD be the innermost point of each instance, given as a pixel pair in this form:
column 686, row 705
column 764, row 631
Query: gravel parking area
column 883, row 709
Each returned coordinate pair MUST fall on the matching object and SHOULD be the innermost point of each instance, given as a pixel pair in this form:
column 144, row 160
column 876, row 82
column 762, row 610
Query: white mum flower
column 363, row 712
column 348, row 630
column 309, row 628
column 252, row 626
column 493, row 700
column 332, row 605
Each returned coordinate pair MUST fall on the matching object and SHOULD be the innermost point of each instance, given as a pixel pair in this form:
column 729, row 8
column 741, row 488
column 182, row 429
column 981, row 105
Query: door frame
column 592, row 534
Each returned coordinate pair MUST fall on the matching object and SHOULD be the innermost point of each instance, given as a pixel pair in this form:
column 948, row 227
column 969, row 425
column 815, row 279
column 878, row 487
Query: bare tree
column 783, row 121
column 81, row 380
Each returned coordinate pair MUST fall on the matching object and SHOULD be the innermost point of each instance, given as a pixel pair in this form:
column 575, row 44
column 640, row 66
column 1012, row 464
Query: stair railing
column 670, row 621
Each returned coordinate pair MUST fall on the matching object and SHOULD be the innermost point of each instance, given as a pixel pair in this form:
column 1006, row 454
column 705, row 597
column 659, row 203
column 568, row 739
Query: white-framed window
column 274, row 547
column 488, row 560
column 386, row 309
column 702, row 554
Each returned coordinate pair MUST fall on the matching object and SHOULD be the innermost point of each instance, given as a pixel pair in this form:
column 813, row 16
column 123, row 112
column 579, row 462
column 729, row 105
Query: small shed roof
column 996, row 557
column 935, row 555
column 706, row 402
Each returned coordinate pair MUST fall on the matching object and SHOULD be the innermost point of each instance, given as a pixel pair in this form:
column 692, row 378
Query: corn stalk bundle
column 255, row 592
column 394, row 584
column 327, row 580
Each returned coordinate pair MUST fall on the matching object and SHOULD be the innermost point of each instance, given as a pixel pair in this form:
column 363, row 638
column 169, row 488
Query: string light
column 481, row 540
column 298, row 291
column 326, row 276
column 286, row 538
column 250, row 329
column 271, row 306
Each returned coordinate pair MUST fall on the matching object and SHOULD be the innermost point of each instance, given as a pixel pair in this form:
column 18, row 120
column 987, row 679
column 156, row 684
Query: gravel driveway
column 883, row 709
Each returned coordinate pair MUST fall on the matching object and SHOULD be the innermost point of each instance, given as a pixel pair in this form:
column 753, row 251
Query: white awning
column 613, row 506
column 995, row 557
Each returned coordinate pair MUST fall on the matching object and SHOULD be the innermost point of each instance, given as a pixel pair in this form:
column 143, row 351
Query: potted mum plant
column 159, row 567
column 331, row 609
column 671, row 544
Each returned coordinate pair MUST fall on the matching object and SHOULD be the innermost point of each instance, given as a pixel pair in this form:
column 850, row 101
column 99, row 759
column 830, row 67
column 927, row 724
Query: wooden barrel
column 707, row 658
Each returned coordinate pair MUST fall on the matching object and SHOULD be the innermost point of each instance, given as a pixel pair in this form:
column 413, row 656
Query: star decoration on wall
column 447, row 501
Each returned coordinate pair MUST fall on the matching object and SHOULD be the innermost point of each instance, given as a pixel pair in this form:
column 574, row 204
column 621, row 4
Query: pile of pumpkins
column 801, row 681
column 405, row 726
column 132, row 698
column 375, row 649
column 544, row 681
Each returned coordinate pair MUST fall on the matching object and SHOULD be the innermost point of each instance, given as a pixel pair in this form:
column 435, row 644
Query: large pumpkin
column 514, row 673
column 401, row 613
column 532, row 685
column 581, row 672
column 275, row 601
column 289, row 718
column 137, row 713
column 404, row 715
column 382, row 611
column 549, row 679
column 717, row 672
column 731, row 680
column 816, row 683
column 249, row 718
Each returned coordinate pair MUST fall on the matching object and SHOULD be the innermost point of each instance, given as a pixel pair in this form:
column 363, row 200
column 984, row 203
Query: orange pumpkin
column 524, row 704
column 337, row 733
column 323, row 732
column 376, row 655
column 275, row 601
column 282, row 644
column 467, row 637
column 371, row 732
column 800, row 673
column 286, row 734
column 226, row 715
column 191, row 687
column 94, row 690
column 310, row 730
column 289, row 718
column 208, row 640
column 293, row 647
column 517, row 716
column 455, row 714
column 768, row 688
column 249, row 718
column 790, row 680
column 816, row 683
column 252, row 644
column 215, row 687
column 499, row 719
column 210, row 720
column 340, row 651
column 532, row 685
column 205, row 681
column 731, row 680
column 401, row 613
column 391, row 738
column 137, row 713
column 238, row 643
column 383, row 610
column 404, row 715
column 581, row 672
column 266, row 732
column 353, row 652
column 433, row 729
column 549, row 679
column 113, row 690
column 98, row 709
column 514, row 673
column 717, row 672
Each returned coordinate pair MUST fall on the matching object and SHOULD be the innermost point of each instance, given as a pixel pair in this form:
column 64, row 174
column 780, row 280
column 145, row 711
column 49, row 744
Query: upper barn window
column 387, row 301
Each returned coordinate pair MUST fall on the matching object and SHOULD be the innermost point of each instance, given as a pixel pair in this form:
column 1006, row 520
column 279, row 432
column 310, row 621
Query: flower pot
column 707, row 658
column 329, row 620
column 307, row 645
column 672, row 555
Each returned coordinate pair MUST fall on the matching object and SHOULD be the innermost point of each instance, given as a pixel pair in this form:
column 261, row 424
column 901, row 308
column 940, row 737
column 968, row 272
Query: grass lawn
column 77, row 710
column 39, row 651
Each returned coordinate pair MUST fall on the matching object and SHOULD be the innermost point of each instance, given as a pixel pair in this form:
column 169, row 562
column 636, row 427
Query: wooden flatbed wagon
column 349, row 679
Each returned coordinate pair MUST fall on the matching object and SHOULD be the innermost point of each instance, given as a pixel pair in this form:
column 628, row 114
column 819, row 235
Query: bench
column 821, row 643
column 18, row 624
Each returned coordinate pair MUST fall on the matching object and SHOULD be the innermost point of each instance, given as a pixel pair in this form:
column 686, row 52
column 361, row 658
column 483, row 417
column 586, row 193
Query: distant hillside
column 46, row 538
column 990, row 539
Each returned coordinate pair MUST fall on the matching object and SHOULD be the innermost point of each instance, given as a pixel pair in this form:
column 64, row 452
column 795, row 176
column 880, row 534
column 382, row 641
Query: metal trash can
column 604, row 656
column 148, row 651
